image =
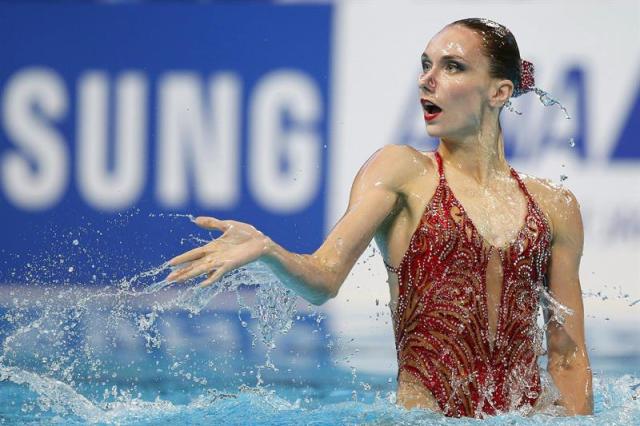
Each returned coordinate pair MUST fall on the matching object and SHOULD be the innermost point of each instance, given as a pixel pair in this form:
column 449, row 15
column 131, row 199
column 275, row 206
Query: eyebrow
column 444, row 58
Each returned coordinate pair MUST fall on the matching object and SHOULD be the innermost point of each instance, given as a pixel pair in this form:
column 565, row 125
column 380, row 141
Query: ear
column 501, row 91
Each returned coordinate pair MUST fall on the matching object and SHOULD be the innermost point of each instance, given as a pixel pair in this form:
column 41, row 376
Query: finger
column 187, row 268
column 212, row 223
column 184, row 274
column 212, row 277
column 184, row 268
column 197, row 270
column 188, row 256
column 173, row 276
column 176, row 270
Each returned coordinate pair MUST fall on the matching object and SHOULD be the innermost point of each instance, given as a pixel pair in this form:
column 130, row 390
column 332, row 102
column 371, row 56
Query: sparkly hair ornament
column 527, row 84
column 527, row 80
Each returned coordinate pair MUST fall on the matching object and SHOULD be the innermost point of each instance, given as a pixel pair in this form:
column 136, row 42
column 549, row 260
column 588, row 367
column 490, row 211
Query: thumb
column 207, row 222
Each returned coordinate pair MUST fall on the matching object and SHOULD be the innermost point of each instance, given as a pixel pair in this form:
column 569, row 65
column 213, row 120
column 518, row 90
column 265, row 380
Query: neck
column 479, row 156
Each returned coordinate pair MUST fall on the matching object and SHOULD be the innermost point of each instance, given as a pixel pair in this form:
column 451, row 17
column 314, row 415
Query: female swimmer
column 470, row 245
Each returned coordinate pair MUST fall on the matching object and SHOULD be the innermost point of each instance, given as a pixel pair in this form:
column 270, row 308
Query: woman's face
column 455, row 78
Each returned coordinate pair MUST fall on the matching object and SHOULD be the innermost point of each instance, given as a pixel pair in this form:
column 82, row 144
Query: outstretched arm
column 568, row 361
column 318, row 276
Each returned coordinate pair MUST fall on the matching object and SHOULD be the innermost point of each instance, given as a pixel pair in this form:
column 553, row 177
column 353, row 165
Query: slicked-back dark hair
column 500, row 47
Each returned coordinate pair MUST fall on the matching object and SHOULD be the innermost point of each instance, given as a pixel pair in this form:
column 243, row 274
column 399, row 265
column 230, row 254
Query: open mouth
column 430, row 108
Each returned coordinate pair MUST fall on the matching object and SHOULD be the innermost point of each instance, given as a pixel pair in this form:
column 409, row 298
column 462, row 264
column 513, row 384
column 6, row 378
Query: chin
column 434, row 131
column 437, row 131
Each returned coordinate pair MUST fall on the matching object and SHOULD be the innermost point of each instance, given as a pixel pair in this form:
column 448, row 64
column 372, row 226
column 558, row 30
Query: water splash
column 548, row 100
column 558, row 311
column 46, row 350
column 509, row 106
column 191, row 217
column 53, row 394
column 180, row 215
column 614, row 405
column 83, row 381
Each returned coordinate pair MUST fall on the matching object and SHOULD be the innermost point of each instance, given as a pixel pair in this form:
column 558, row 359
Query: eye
column 426, row 66
column 453, row 66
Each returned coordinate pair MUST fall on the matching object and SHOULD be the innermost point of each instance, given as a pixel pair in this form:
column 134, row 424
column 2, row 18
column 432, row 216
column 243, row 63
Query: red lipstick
column 431, row 110
column 432, row 116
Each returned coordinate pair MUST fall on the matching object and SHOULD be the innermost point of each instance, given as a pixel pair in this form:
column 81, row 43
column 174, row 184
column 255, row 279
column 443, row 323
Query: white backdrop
column 377, row 46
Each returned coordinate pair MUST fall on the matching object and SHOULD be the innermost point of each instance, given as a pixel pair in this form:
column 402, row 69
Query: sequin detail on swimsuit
column 443, row 336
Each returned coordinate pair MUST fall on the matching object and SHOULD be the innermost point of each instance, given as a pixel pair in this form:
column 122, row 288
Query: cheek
column 462, row 92
column 468, row 100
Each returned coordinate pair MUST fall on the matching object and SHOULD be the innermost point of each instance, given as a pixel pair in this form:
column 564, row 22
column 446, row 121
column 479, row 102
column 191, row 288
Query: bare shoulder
column 557, row 202
column 396, row 165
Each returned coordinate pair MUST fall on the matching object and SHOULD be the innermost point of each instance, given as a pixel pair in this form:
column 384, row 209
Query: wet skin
column 389, row 195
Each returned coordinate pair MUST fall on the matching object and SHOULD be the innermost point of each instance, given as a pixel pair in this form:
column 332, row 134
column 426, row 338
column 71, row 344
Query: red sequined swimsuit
column 442, row 322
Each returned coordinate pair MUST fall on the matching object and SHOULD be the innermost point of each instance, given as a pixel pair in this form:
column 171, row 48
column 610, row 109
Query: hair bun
column 527, row 80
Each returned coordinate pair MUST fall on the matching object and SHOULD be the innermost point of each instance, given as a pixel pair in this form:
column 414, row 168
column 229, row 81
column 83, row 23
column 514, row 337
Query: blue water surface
column 326, row 399
column 243, row 351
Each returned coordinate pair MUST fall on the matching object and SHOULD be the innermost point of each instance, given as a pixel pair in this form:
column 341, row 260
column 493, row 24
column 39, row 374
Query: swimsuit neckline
column 522, row 229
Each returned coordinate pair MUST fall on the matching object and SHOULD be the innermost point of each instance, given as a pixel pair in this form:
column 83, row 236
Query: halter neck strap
column 523, row 187
column 440, row 166
column 514, row 173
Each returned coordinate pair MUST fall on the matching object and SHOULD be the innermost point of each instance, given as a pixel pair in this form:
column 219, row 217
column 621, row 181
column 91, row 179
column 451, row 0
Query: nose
column 426, row 81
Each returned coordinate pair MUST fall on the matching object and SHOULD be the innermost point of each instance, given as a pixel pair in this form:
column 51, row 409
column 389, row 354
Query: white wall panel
column 377, row 46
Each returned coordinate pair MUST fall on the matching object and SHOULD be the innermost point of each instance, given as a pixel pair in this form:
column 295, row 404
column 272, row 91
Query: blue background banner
column 114, row 117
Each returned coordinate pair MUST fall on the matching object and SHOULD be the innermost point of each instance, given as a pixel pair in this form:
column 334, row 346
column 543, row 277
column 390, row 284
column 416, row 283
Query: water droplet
column 563, row 178
column 70, row 269
column 509, row 106
column 572, row 143
column 547, row 100
column 75, row 242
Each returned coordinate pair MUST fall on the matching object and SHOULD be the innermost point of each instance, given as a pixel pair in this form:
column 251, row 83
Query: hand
column 239, row 244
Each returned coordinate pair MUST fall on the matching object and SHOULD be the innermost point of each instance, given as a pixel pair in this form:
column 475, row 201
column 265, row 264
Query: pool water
column 244, row 351
column 329, row 398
